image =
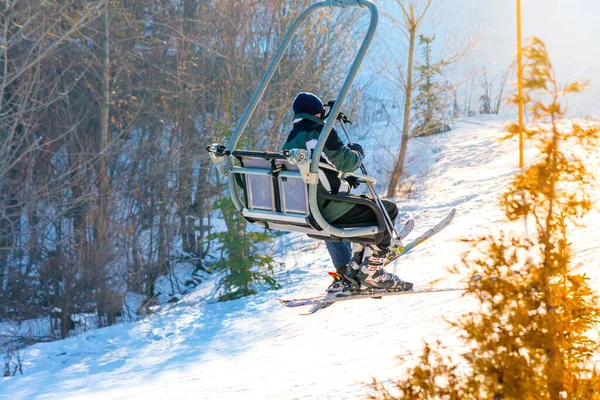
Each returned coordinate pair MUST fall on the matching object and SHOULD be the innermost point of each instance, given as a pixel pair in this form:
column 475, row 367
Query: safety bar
column 316, row 156
column 365, row 178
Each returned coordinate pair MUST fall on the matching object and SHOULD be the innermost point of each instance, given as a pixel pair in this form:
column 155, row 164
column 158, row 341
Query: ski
column 402, row 250
column 406, row 229
column 316, row 307
column 323, row 301
column 331, row 298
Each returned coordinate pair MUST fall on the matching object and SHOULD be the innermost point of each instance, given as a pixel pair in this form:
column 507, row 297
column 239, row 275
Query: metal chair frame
column 313, row 222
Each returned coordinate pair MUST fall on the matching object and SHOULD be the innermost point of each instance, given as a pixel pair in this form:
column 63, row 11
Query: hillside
column 253, row 348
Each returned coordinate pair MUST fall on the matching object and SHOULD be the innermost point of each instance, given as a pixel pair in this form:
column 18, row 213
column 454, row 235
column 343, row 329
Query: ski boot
column 373, row 276
column 340, row 282
column 358, row 252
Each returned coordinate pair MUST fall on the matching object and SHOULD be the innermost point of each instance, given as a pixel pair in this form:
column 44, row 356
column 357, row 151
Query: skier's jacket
column 305, row 135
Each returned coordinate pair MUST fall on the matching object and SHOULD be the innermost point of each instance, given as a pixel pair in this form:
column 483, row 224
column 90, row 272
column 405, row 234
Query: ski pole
column 388, row 221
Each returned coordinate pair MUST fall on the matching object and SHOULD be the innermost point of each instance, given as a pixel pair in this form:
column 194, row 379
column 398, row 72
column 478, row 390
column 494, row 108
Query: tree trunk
column 399, row 166
column 187, row 126
column 102, row 216
column 554, row 368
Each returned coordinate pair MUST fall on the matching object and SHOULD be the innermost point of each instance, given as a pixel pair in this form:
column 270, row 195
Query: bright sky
column 569, row 28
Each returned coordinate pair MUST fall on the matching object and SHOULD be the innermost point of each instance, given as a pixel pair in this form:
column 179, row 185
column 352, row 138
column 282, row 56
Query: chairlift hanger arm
column 256, row 97
column 251, row 107
column 335, row 110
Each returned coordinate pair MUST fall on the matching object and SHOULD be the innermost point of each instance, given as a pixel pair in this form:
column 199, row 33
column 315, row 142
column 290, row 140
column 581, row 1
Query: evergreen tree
column 431, row 105
column 244, row 265
column 529, row 338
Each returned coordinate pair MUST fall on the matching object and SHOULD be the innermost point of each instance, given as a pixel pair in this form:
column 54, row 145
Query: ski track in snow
column 254, row 348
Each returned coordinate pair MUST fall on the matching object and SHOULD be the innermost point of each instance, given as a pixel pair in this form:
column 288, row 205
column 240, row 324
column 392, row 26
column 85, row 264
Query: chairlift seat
column 276, row 197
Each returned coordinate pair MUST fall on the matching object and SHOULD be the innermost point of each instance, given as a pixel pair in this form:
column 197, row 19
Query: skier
column 309, row 115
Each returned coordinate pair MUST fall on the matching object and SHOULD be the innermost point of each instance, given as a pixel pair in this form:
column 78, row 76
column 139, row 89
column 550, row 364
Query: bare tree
column 411, row 22
column 104, row 109
column 107, row 306
column 485, row 99
column 33, row 70
column 491, row 98
column 500, row 91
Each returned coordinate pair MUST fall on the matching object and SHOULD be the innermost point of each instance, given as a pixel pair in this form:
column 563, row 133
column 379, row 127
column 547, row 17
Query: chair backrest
column 293, row 192
column 259, row 188
column 274, row 191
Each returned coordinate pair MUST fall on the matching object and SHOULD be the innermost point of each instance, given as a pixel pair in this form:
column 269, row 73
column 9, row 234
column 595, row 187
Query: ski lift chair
column 274, row 194
column 279, row 191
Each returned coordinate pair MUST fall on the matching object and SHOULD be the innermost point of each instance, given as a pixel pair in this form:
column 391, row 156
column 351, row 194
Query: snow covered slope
column 253, row 348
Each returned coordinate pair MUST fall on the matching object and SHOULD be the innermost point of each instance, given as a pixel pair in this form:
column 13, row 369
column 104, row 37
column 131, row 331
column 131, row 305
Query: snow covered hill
column 253, row 348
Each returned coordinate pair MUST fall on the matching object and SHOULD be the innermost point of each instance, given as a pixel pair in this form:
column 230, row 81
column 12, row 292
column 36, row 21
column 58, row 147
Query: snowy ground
column 253, row 348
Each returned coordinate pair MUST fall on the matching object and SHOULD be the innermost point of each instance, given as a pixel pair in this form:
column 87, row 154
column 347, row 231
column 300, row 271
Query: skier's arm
column 340, row 155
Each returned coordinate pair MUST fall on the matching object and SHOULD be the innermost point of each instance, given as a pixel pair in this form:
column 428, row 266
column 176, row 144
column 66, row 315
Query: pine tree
column 529, row 337
column 431, row 106
column 244, row 265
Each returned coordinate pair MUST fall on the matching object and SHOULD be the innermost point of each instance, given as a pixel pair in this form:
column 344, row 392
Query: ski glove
column 358, row 148
column 352, row 181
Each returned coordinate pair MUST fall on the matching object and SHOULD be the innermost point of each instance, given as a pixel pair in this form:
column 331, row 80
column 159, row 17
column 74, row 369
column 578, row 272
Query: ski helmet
column 307, row 103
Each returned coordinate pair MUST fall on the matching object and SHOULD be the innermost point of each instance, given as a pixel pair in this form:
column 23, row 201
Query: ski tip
column 450, row 217
column 452, row 214
column 317, row 307
column 312, row 310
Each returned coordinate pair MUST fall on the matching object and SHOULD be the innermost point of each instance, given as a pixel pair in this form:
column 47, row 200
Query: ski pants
column 340, row 252
column 362, row 215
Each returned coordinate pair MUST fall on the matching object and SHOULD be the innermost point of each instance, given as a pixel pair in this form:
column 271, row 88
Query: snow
column 253, row 348
column 182, row 278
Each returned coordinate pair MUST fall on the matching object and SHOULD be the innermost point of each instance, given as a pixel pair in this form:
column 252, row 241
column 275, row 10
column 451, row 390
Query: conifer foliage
column 432, row 103
column 529, row 337
column 244, row 267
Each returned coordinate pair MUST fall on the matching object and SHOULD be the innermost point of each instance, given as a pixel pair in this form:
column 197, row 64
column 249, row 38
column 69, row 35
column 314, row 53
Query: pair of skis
column 323, row 301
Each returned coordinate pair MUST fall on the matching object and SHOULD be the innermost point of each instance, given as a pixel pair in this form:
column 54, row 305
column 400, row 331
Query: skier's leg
column 358, row 251
column 369, row 272
column 362, row 215
column 392, row 211
column 340, row 255
column 372, row 274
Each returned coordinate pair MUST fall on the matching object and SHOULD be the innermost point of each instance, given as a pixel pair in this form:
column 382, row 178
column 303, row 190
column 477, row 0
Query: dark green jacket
column 305, row 135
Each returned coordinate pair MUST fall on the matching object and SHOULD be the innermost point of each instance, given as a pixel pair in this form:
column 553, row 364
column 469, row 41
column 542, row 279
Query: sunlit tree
column 529, row 337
